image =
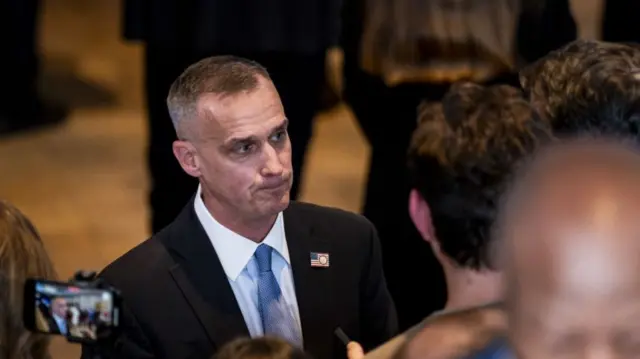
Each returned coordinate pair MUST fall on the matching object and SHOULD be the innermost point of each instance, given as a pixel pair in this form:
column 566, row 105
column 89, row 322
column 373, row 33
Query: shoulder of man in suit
column 315, row 209
column 330, row 217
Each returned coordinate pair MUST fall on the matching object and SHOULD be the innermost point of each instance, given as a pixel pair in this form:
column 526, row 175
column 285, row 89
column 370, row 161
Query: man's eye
column 628, row 343
column 243, row 148
column 278, row 136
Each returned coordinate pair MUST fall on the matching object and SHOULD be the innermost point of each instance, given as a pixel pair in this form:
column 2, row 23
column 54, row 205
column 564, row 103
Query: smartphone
column 76, row 311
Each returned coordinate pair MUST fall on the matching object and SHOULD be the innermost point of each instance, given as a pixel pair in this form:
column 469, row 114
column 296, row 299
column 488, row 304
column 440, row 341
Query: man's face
column 575, row 327
column 59, row 307
column 571, row 249
column 584, row 302
column 243, row 153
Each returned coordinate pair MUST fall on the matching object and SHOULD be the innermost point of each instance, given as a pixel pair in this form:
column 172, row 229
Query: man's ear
column 421, row 216
column 187, row 157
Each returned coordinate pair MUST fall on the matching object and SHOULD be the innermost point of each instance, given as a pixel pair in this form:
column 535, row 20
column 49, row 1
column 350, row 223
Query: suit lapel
column 201, row 278
column 312, row 284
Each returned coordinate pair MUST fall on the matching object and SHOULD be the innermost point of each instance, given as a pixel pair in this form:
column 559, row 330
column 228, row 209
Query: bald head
column 571, row 234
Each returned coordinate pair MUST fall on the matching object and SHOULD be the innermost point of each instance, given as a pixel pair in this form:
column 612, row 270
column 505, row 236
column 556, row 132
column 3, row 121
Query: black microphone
column 342, row 336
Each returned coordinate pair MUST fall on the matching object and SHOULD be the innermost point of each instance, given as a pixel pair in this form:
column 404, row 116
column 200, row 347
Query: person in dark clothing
column 288, row 37
column 21, row 108
column 386, row 114
column 619, row 22
column 199, row 266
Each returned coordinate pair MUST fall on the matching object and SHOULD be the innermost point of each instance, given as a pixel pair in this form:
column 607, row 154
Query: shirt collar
column 234, row 250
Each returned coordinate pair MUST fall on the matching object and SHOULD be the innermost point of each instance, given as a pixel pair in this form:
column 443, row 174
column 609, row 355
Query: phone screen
column 65, row 309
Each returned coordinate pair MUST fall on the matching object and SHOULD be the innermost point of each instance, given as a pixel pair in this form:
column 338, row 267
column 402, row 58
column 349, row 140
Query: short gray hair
column 220, row 75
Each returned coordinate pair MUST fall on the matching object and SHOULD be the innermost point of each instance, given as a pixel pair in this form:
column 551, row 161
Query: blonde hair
column 22, row 256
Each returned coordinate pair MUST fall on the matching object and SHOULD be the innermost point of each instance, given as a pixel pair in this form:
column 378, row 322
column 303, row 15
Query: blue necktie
column 277, row 319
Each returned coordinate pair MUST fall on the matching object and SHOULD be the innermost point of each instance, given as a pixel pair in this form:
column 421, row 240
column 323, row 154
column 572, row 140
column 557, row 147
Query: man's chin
column 276, row 205
column 284, row 202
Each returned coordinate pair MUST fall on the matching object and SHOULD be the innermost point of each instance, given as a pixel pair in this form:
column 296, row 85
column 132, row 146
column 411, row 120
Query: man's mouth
column 275, row 186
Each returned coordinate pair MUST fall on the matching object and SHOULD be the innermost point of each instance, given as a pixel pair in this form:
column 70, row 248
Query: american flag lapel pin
column 320, row 260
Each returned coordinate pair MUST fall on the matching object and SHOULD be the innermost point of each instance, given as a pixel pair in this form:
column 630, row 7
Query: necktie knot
column 263, row 257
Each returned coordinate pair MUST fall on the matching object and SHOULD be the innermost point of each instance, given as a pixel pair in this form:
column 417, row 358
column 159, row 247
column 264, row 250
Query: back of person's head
column 260, row 348
column 587, row 87
column 22, row 256
column 460, row 158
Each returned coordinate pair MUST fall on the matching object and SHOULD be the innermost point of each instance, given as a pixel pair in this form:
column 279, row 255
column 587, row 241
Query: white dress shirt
column 236, row 255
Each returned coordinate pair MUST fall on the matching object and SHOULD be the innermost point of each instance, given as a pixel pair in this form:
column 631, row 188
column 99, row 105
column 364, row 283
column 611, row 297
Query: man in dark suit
column 288, row 37
column 58, row 319
column 241, row 260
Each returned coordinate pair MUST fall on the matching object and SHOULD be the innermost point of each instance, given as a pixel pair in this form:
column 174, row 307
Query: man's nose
column 272, row 165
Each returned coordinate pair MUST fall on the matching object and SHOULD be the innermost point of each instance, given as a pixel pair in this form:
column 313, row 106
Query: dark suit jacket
column 620, row 21
column 178, row 302
column 53, row 326
column 294, row 26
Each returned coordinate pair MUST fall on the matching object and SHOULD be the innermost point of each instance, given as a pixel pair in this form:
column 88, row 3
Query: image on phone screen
column 68, row 310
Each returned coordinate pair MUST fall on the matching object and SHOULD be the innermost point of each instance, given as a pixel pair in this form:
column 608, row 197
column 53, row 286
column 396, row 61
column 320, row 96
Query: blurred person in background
column 569, row 249
column 619, row 22
column 288, row 37
column 260, row 348
column 21, row 106
column 461, row 157
column 402, row 52
column 22, row 256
